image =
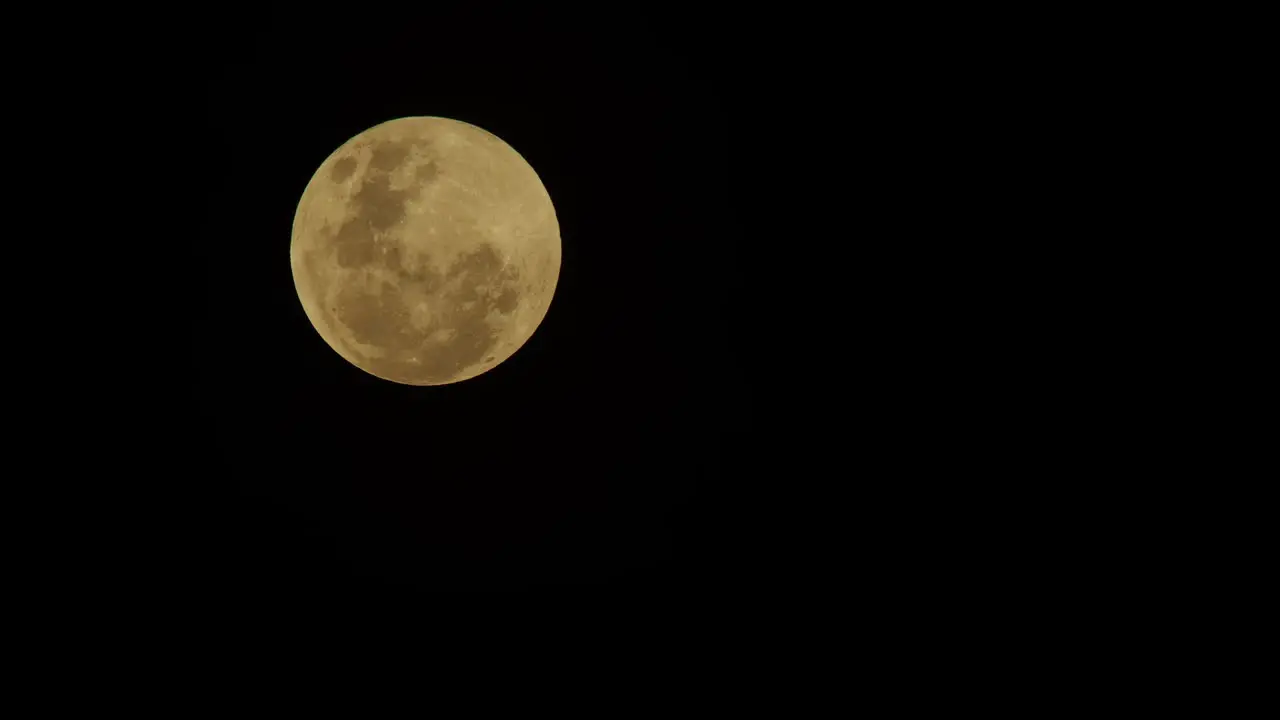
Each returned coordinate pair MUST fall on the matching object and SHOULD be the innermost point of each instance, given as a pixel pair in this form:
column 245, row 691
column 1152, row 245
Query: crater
column 379, row 319
column 506, row 300
column 376, row 208
column 427, row 172
column 381, row 205
column 353, row 243
column 389, row 155
column 342, row 169
column 479, row 264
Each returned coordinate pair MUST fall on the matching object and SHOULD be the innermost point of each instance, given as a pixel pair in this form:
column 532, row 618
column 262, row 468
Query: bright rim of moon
column 425, row 251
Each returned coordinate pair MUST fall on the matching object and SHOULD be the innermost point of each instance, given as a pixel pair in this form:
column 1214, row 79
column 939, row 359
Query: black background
column 602, row 452
column 610, row 450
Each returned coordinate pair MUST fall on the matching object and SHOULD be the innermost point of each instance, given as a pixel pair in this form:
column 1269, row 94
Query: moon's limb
column 425, row 251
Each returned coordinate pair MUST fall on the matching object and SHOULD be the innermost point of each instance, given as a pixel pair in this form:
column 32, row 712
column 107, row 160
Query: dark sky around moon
column 594, row 455
column 838, row 159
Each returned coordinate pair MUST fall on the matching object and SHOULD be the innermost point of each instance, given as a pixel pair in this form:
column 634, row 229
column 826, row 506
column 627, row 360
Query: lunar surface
column 425, row 251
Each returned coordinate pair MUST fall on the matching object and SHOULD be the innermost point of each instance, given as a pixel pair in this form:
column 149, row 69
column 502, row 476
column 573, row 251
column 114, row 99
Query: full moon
column 425, row 251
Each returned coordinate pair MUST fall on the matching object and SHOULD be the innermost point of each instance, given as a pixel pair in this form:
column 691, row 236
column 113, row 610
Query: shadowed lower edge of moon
column 472, row 299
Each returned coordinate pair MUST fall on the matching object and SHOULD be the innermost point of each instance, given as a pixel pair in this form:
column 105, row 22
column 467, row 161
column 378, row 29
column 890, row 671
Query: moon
column 425, row 251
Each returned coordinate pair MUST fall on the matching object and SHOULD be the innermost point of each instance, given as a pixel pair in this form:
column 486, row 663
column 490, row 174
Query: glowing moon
column 425, row 251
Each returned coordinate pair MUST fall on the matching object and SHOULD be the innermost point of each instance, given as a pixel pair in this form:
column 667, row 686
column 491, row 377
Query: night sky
column 604, row 451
